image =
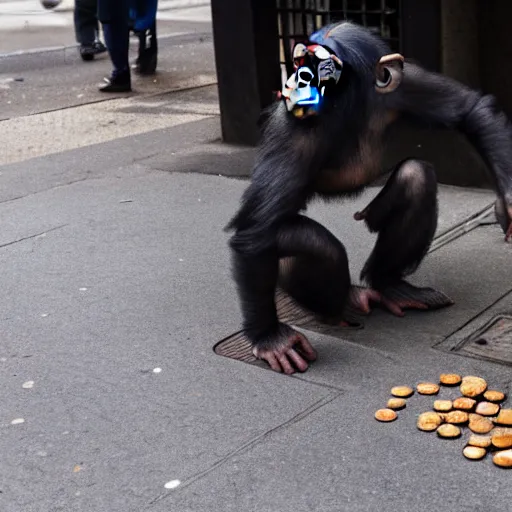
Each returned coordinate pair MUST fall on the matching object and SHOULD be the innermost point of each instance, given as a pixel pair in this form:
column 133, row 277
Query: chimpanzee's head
column 338, row 57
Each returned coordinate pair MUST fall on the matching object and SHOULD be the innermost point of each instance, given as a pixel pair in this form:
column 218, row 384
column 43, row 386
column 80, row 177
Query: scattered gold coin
column 396, row 403
column 456, row 417
column 503, row 459
column 450, row 379
column 429, row 421
column 502, row 439
column 402, row 391
column 427, row 388
column 448, row 414
column 443, row 405
column 448, row 431
column 480, row 425
column 494, row 396
column 386, row 415
column 487, row 409
column 474, row 452
column 479, row 441
column 473, row 386
column 464, row 403
column 505, row 417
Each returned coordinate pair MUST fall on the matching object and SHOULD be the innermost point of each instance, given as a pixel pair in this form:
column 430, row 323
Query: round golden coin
column 479, row 441
column 473, row 386
column 448, row 431
column 456, row 417
column 474, row 452
column 503, row 459
column 492, row 395
column 502, row 439
column 443, row 405
column 487, row 409
column 464, row 403
column 402, row 391
column 429, row 421
column 396, row 403
column 427, row 388
column 480, row 425
column 386, row 415
column 505, row 417
column 450, row 379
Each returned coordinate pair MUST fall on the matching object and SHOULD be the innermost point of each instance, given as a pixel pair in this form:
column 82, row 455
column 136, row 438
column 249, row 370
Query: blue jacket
column 140, row 12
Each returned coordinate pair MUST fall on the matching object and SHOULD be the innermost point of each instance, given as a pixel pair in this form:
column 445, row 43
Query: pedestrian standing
column 144, row 16
column 115, row 18
column 87, row 29
column 118, row 18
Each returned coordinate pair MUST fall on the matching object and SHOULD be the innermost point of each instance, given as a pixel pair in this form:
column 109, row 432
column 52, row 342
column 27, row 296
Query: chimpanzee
column 324, row 138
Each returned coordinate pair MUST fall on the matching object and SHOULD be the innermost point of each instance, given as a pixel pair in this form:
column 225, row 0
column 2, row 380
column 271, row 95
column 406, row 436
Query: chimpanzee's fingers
column 367, row 295
column 359, row 215
column 299, row 363
column 508, row 235
column 285, row 364
column 271, row 360
column 374, row 295
column 413, row 304
column 392, row 307
column 305, row 347
column 363, row 303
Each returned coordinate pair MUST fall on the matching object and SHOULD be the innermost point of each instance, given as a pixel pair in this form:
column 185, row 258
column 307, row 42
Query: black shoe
column 118, row 82
column 148, row 50
column 99, row 47
column 88, row 51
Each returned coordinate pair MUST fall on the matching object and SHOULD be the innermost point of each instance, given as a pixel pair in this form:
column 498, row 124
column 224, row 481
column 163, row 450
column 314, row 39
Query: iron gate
column 299, row 18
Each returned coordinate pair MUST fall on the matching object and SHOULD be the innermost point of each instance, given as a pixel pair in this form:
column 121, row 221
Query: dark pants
column 117, row 18
column 86, row 22
column 117, row 40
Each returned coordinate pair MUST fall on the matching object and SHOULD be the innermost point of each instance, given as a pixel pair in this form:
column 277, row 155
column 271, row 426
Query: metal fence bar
column 298, row 18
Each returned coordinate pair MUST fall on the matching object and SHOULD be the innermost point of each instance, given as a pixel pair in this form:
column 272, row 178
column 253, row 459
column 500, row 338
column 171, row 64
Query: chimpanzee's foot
column 360, row 299
column 403, row 295
column 396, row 298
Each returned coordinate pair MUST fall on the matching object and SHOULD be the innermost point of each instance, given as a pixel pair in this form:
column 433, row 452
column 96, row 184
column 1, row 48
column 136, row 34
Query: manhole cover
column 493, row 341
column 238, row 347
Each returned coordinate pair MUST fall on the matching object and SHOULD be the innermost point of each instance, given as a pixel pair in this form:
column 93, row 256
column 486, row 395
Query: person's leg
column 86, row 28
column 145, row 28
column 117, row 35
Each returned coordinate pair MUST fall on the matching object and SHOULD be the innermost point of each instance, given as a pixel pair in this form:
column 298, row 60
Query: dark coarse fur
column 290, row 145
column 295, row 154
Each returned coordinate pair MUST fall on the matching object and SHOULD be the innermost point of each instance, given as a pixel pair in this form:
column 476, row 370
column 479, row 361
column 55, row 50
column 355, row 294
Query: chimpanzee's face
column 316, row 69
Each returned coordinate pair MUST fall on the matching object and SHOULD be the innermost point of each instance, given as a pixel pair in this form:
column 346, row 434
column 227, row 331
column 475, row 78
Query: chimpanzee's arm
column 443, row 101
column 279, row 189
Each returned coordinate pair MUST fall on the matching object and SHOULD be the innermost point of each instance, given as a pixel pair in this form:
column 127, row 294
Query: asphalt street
column 116, row 285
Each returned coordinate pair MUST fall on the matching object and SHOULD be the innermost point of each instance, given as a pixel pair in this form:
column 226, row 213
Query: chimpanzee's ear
column 389, row 72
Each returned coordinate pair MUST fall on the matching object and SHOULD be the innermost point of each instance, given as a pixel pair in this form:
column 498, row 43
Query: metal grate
column 299, row 18
column 238, row 347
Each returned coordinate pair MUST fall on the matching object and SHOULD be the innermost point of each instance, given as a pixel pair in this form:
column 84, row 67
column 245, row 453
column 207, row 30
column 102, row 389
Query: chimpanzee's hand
column 290, row 352
column 508, row 232
column 503, row 211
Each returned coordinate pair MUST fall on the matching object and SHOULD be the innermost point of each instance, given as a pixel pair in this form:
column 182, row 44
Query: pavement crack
column 480, row 313
column 249, row 445
column 32, row 236
column 60, row 185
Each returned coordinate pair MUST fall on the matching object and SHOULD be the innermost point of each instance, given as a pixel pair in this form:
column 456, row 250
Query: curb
column 163, row 5
column 13, row 61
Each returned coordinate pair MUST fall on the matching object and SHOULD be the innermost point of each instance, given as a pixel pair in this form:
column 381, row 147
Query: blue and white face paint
column 315, row 68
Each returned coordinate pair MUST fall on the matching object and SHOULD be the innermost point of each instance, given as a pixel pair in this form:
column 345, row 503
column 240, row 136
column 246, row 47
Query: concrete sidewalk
column 116, row 285
column 25, row 26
